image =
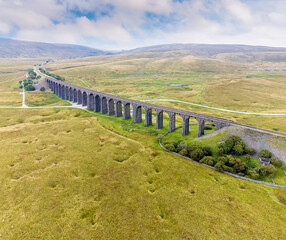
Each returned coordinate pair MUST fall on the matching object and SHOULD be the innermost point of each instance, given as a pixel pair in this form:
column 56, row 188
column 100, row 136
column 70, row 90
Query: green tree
column 265, row 153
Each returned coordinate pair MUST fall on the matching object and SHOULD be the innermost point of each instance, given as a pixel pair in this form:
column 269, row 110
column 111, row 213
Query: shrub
column 181, row 146
column 223, row 149
column 233, row 144
column 194, row 146
column 42, row 89
column 252, row 173
column 238, row 149
column 207, row 151
column 276, row 162
column 197, row 154
column 208, row 160
column 219, row 166
column 170, row 147
column 29, row 87
column 184, row 152
column 248, row 157
column 266, row 170
column 265, row 153
column 232, row 164
column 249, row 150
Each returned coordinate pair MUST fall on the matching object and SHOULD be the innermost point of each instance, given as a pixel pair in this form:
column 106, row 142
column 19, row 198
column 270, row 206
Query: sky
column 127, row 24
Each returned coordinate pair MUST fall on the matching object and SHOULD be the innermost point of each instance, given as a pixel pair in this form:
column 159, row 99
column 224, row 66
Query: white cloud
column 126, row 26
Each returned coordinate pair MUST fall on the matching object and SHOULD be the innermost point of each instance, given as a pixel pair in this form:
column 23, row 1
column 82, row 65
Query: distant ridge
column 10, row 48
column 228, row 52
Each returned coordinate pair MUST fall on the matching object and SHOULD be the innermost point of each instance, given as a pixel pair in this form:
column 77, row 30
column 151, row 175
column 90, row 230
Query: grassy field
column 147, row 76
column 46, row 98
column 72, row 174
column 60, row 179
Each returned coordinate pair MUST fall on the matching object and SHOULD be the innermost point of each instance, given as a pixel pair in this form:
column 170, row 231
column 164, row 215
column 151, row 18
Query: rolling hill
column 23, row 49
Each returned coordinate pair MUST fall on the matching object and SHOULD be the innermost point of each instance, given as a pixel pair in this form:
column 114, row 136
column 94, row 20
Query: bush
column 219, row 166
column 42, row 89
column 170, row 147
column 249, row 150
column 184, row 152
column 181, row 145
column 223, row 149
column 232, row 164
column 238, row 149
column 208, row 160
column 248, row 157
column 268, row 170
column 197, row 154
column 207, row 151
column 29, row 87
column 265, row 153
column 276, row 162
column 253, row 174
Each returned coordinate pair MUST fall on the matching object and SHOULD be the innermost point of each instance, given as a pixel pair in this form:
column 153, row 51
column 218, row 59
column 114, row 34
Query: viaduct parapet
column 118, row 106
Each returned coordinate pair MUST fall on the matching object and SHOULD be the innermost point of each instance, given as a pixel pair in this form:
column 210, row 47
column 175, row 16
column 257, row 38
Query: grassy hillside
column 71, row 174
column 209, row 82
column 23, row 49
column 68, row 175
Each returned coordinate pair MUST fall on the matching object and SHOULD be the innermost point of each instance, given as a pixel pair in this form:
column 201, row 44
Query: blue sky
column 127, row 24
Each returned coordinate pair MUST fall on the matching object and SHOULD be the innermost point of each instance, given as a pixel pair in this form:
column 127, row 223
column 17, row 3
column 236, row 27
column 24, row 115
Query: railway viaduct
column 118, row 106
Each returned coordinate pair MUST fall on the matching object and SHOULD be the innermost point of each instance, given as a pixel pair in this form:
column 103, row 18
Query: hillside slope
column 23, row 49
column 228, row 52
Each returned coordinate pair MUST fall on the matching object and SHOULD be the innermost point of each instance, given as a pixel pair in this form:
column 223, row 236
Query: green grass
column 74, row 174
column 46, row 98
column 77, row 188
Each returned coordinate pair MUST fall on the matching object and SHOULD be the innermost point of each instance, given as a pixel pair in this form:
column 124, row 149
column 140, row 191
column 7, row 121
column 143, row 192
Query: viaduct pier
column 118, row 106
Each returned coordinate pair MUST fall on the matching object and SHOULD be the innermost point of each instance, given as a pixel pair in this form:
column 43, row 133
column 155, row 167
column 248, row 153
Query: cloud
column 125, row 24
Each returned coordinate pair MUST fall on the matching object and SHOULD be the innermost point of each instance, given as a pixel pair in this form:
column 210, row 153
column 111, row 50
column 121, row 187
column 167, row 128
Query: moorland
column 74, row 174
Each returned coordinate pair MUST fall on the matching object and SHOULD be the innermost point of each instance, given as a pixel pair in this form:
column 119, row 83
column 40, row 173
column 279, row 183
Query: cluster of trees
column 29, row 81
column 228, row 157
column 32, row 75
column 52, row 75
column 194, row 151
column 28, row 84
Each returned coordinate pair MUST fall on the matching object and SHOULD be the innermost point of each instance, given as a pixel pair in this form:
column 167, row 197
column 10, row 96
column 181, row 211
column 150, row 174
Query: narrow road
column 214, row 108
column 24, row 96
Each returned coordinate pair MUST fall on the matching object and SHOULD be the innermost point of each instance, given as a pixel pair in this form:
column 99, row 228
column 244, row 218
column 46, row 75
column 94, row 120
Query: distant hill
column 24, row 49
column 228, row 52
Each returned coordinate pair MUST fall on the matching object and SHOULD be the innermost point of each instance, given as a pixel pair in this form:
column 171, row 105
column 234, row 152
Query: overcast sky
column 126, row 24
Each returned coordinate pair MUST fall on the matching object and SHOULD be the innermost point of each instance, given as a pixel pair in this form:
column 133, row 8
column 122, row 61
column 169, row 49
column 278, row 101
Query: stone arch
column 70, row 94
column 79, row 97
column 110, row 109
column 56, row 89
column 67, row 93
column 63, row 95
column 84, row 98
column 126, row 107
column 148, row 116
column 90, row 102
column 136, row 113
column 97, row 103
column 159, row 119
column 118, row 109
column 74, row 95
column 103, row 105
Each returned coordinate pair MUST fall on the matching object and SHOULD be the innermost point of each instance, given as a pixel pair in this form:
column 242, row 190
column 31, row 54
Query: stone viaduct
column 118, row 106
